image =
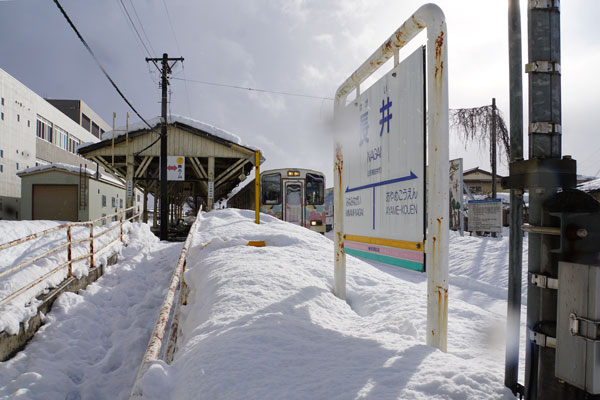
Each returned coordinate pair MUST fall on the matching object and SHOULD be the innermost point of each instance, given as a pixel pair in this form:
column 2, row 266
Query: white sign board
column 129, row 188
column 211, row 190
column 175, row 168
column 383, row 149
column 485, row 215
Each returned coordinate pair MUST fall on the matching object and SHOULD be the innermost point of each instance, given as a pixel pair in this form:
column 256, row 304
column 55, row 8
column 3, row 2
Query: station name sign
column 384, row 168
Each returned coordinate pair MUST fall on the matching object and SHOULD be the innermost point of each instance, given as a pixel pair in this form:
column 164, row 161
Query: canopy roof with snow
column 196, row 141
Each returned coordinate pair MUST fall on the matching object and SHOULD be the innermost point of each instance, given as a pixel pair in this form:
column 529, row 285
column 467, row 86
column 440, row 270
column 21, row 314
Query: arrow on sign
column 373, row 185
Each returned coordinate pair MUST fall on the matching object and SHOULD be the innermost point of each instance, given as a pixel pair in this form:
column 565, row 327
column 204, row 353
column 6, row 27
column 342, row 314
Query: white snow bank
column 263, row 323
column 25, row 305
column 92, row 343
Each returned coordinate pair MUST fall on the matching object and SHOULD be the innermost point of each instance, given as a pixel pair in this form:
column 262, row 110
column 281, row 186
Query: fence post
column 91, row 245
column 121, row 223
column 69, row 253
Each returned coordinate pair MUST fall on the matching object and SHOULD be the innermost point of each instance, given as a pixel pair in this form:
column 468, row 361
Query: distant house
column 67, row 193
column 479, row 181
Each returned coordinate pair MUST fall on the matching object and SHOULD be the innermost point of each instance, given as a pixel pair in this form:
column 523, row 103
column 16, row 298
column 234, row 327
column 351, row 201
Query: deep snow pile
column 24, row 306
column 92, row 343
column 263, row 322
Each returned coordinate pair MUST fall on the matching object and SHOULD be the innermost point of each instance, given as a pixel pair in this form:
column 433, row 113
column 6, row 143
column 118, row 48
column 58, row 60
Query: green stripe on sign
column 399, row 262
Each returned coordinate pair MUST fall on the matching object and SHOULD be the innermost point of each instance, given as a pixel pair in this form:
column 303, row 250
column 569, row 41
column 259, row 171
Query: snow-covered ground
column 92, row 343
column 13, row 279
column 263, row 323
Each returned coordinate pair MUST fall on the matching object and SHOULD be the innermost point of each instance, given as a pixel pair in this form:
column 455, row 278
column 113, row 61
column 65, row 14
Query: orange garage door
column 55, row 202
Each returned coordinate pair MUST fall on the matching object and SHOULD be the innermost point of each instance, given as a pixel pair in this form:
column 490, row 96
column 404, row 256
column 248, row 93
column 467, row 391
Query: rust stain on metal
column 388, row 46
column 418, row 24
column 442, row 305
column 439, row 64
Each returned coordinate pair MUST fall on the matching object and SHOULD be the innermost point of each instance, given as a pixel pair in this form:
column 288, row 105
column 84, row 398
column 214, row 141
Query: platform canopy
column 209, row 154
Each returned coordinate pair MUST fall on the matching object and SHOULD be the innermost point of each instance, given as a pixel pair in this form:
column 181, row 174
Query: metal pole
column 493, row 148
column 544, row 146
column 257, row 185
column 515, row 251
column 428, row 16
column 164, row 202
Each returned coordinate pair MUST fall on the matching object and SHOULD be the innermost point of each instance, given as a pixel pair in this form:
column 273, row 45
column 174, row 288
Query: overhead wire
column 135, row 29
column 142, row 26
column 255, row 89
column 187, row 95
column 64, row 13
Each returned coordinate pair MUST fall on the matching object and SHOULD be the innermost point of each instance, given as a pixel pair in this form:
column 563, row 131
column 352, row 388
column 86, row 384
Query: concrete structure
column 66, row 193
column 479, row 181
column 79, row 112
column 32, row 132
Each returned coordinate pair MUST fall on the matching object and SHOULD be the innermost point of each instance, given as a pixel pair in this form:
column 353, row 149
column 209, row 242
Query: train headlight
column 316, row 223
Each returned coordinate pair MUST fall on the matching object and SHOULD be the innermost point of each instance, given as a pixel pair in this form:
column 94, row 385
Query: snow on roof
column 155, row 122
column 590, row 185
column 61, row 166
column 70, row 168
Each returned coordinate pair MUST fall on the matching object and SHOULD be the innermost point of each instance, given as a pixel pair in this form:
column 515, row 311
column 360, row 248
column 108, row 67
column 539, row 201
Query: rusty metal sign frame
column 430, row 17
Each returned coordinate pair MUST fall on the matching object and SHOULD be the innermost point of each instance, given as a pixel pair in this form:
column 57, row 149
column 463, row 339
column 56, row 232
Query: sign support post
column 431, row 17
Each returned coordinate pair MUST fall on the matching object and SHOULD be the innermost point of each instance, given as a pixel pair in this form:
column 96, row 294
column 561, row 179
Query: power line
column 132, row 25
column 187, row 95
column 142, row 26
column 64, row 13
column 254, row 89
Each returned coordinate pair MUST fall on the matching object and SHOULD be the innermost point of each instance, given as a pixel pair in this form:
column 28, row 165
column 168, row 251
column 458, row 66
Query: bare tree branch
column 474, row 125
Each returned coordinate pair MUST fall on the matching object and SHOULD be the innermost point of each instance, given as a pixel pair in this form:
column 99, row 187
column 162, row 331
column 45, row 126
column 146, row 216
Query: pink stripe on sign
column 386, row 251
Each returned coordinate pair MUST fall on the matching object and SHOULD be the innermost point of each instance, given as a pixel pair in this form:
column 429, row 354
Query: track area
column 92, row 343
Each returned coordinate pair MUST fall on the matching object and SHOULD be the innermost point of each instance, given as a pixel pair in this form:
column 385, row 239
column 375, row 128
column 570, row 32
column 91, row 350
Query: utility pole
column 165, row 70
column 544, row 174
column 515, row 251
column 493, row 149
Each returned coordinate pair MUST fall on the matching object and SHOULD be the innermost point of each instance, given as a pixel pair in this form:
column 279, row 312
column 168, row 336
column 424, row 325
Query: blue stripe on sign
column 484, row 201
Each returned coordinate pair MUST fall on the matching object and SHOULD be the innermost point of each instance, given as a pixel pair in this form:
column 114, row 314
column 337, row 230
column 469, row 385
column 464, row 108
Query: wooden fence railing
column 121, row 216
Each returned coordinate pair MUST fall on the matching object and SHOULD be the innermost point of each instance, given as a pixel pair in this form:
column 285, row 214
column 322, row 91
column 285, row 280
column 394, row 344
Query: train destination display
column 384, row 181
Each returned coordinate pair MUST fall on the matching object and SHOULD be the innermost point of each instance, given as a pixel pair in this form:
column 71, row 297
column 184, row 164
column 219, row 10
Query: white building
column 34, row 132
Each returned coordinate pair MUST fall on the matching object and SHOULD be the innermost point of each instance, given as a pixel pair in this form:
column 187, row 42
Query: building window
column 103, row 201
column 17, row 164
column 3, row 101
column 1, row 168
column 60, row 138
column 1, row 153
column 28, row 123
column 85, row 122
column 18, row 118
column 138, row 198
column 120, row 203
column 44, row 129
column 2, row 116
column 95, row 129
column 103, row 221
column 113, row 202
column 476, row 189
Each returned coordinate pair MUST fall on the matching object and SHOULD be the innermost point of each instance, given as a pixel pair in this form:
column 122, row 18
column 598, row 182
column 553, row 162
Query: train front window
column 271, row 189
column 315, row 189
